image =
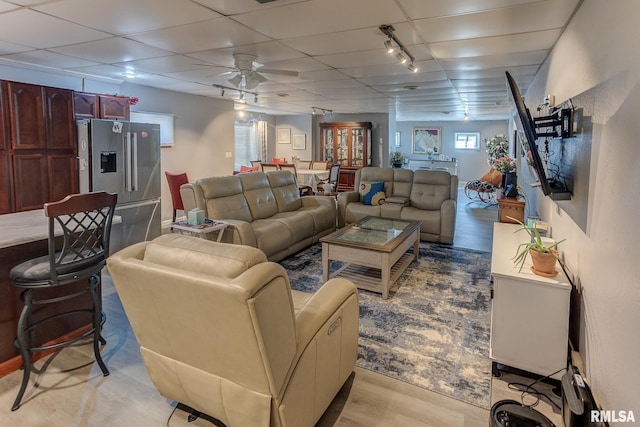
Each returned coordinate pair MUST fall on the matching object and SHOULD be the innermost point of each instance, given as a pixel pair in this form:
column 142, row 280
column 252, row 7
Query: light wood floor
column 71, row 391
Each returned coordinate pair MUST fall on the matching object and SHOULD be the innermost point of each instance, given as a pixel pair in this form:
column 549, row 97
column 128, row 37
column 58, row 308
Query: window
column 467, row 141
column 246, row 143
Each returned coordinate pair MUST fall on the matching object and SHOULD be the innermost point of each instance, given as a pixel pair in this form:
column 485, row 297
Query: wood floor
column 70, row 390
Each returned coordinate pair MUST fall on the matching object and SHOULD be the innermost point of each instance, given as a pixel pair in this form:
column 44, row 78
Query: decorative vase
column 509, row 178
column 544, row 264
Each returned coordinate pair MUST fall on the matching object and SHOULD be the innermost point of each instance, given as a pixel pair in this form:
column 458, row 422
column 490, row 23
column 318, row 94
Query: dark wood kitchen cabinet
column 39, row 158
column 114, row 107
column 85, row 105
column 6, row 190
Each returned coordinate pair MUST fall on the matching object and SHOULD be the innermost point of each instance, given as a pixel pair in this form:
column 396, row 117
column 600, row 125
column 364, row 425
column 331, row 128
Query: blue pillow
column 372, row 194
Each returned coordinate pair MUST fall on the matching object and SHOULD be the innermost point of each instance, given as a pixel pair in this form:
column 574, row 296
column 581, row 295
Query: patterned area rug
column 433, row 331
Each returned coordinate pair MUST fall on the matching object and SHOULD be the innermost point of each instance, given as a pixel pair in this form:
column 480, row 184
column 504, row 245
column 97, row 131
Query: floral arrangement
column 504, row 164
column 398, row 157
column 497, row 147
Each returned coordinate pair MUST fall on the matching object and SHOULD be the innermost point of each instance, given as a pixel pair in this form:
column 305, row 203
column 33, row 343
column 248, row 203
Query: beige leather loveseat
column 221, row 331
column 423, row 195
column 264, row 209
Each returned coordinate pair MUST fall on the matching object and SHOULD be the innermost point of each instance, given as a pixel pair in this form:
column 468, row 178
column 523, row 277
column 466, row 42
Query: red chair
column 175, row 180
column 278, row 160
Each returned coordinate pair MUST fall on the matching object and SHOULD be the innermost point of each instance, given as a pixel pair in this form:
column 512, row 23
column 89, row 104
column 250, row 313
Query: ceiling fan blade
column 253, row 79
column 280, row 72
column 236, row 80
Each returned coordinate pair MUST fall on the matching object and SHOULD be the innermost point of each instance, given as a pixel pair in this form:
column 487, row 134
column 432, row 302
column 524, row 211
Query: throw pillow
column 373, row 193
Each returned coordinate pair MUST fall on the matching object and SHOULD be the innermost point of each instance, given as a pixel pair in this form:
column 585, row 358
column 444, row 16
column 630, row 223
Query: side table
column 201, row 230
column 510, row 207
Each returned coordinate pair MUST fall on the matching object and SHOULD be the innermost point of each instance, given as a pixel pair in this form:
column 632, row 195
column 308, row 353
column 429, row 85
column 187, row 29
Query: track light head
column 389, row 46
column 412, row 68
column 401, row 57
column 222, row 92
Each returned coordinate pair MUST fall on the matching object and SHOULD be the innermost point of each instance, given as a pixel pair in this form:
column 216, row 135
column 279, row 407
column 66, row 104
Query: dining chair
column 266, row 167
column 175, row 180
column 305, row 190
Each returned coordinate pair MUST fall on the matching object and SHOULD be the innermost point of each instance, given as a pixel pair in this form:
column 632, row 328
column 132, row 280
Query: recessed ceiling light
column 129, row 74
column 411, row 87
column 282, row 95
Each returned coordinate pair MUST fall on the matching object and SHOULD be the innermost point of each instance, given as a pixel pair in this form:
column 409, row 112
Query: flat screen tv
column 550, row 187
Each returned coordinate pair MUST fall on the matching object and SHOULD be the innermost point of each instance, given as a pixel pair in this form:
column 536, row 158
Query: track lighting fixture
column 313, row 112
column 389, row 46
column 403, row 54
column 242, row 93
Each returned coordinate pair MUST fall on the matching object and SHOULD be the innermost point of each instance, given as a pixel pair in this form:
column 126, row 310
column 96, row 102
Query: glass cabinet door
column 328, row 144
column 357, row 146
column 343, row 146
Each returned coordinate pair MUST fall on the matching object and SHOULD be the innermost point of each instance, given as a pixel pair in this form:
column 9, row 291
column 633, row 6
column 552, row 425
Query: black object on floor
column 509, row 413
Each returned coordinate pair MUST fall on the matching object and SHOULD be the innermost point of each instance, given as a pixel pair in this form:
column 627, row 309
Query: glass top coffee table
column 374, row 251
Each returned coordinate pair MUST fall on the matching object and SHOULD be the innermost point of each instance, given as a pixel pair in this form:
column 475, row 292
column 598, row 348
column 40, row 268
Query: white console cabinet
column 530, row 313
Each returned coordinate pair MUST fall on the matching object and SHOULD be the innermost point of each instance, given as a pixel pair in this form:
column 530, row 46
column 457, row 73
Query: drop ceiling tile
column 50, row 59
column 494, row 72
column 107, row 71
column 321, row 16
column 274, row 50
column 9, row 48
column 126, row 16
column 417, row 10
column 372, row 57
column 109, row 51
column 495, row 61
column 515, row 43
column 518, row 19
column 35, row 29
column 165, row 64
column 211, row 74
column 233, row 7
column 338, row 42
column 322, row 75
column 6, row 6
column 211, row 34
column 315, row 86
column 407, row 78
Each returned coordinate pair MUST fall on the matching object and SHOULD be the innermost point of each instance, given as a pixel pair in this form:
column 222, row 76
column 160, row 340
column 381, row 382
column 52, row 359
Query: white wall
column 472, row 164
column 598, row 52
column 299, row 125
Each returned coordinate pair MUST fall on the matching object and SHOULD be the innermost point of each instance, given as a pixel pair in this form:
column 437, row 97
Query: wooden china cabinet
column 347, row 143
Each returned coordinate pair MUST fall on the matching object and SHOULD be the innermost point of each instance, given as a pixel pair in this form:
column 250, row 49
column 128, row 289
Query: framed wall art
column 299, row 142
column 284, row 135
column 426, row 141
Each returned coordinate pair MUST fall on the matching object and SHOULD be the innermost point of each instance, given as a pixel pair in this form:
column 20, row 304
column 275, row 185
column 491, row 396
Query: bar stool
column 85, row 223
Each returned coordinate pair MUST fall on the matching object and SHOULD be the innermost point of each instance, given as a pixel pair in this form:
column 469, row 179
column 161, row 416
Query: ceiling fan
column 248, row 72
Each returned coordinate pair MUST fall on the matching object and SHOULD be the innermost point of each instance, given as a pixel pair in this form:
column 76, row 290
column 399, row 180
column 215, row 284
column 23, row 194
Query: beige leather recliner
column 221, row 331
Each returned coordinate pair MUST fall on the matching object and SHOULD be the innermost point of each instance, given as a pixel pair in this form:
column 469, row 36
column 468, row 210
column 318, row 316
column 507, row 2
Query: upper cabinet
column 85, row 105
column 114, row 107
column 40, row 117
column 38, row 164
column 26, row 106
column 94, row 106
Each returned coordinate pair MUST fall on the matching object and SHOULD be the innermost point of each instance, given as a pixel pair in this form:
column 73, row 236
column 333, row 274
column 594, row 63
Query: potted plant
column 543, row 256
column 398, row 159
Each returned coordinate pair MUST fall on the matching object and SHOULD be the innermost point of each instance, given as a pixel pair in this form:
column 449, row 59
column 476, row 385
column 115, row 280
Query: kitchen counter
column 24, row 227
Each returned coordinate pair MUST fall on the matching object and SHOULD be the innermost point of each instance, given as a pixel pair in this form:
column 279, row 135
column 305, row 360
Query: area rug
column 433, row 331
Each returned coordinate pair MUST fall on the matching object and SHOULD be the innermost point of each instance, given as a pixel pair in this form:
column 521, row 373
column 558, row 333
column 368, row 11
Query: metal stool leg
column 94, row 281
column 24, row 326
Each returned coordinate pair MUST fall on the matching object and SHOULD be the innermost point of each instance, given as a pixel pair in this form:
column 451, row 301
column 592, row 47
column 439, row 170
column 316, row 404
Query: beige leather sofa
column 221, row 331
column 423, row 195
column 264, row 209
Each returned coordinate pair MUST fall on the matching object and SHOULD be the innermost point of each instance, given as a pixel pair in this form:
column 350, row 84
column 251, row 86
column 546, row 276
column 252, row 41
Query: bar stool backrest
column 85, row 220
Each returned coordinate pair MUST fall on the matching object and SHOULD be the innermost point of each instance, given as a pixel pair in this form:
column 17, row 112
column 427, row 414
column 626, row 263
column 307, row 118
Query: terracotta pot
column 544, row 264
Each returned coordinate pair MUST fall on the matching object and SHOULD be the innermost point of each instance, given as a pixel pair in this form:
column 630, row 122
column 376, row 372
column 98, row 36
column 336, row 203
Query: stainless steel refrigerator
column 124, row 158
